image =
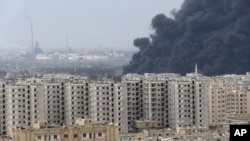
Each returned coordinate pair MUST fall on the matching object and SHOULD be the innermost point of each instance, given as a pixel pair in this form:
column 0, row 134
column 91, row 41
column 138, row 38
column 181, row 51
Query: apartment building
column 107, row 103
column 241, row 100
column 28, row 100
column 120, row 110
column 168, row 100
column 54, row 91
column 155, row 101
column 187, row 103
column 227, row 98
column 132, row 91
column 18, row 110
column 102, row 101
column 76, row 101
column 217, row 102
column 37, row 101
column 3, row 105
column 61, row 101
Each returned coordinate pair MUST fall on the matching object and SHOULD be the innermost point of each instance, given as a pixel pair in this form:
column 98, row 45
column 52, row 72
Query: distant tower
column 66, row 43
column 32, row 37
column 67, row 47
column 196, row 68
column 37, row 44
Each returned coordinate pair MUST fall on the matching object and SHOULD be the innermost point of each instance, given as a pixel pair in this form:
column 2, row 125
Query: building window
column 84, row 135
column 38, row 137
column 75, row 135
column 90, row 135
column 55, row 136
column 99, row 134
column 65, row 135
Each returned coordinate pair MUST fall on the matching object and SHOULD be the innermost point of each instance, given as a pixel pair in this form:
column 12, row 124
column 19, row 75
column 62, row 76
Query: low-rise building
column 83, row 130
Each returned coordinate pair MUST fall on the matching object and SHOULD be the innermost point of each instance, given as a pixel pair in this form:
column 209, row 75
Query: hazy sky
column 88, row 24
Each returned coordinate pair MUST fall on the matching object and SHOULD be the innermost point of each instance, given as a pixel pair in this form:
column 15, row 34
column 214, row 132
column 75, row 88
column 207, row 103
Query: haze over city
column 88, row 24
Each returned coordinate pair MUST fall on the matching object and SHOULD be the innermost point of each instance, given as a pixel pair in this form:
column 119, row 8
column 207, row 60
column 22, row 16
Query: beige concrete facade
column 248, row 102
column 80, row 132
column 227, row 98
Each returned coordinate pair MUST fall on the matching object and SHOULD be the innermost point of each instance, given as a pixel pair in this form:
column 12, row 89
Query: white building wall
column 133, row 98
column 76, row 101
column 155, row 103
column 3, row 108
column 18, row 105
column 54, row 102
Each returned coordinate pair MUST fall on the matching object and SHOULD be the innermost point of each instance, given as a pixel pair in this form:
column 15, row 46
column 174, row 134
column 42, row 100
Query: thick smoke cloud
column 213, row 33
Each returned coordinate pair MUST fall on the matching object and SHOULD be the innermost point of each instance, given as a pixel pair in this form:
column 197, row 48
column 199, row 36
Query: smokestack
column 32, row 37
column 67, row 47
column 66, row 43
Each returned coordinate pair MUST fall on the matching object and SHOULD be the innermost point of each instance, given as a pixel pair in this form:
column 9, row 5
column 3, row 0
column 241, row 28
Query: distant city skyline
column 88, row 24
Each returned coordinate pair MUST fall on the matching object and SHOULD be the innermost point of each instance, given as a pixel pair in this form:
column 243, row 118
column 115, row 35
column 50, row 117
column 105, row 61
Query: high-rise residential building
column 18, row 105
column 76, row 101
column 187, row 103
column 120, row 110
column 155, row 101
column 217, row 102
column 166, row 100
column 38, row 101
column 106, row 103
column 242, row 90
column 132, row 94
column 54, row 91
column 3, row 108
column 102, row 101
column 227, row 98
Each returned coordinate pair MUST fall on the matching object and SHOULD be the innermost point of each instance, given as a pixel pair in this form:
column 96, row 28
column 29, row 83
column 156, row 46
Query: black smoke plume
column 213, row 33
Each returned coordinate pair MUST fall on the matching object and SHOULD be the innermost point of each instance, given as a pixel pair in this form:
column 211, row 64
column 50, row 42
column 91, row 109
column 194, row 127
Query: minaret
column 196, row 68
